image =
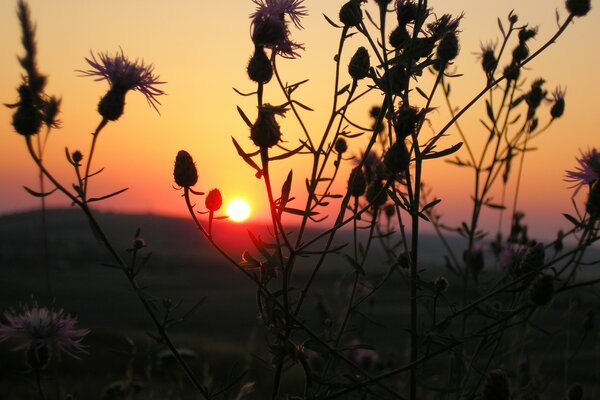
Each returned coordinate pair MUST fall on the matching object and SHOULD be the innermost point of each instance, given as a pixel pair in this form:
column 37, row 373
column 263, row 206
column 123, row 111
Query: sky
column 201, row 50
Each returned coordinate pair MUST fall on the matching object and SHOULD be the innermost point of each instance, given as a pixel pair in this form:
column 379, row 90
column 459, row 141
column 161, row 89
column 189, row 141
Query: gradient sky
column 201, row 49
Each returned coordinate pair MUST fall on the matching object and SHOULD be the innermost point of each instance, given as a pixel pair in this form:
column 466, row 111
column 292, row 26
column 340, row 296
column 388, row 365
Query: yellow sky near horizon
column 201, row 50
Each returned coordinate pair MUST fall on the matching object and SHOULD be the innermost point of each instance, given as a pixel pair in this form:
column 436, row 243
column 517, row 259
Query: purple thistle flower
column 270, row 29
column 510, row 257
column 587, row 172
column 39, row 327
column 124, row 74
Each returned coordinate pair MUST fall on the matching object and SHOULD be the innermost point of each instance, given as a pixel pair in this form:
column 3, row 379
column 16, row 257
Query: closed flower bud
column 593, row 203
column 266, row 131
column 404, row 260
column 406, row 11
column 520, row 53
column 138, row 243
column 359, row 64
column 423, row 47
column 575, row 393
column 397, row 76
column 406, row 121
column 111, row 106
column 357, row 182
column 376, row 194
column 77, row 156
column 50, row 111
column 214, row 200
column 512, row 72
column 541, row 290
column 259, row 67
column 448, row 47
column 390, row 210
column 351, row 14
column 440, row 284
column 27, row 120
column 578, row 8
column 558, row 108
column 399, row 37
column 496, row 386
column 341, row 146
column 527, row 34
column 185, row 172
column 533, row 259
column 488, row 61
column 397, row 158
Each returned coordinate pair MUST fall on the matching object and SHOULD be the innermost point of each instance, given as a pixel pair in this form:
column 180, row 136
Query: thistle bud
column 397, row 158
column 266, row 131
column 406, row 12
column 512, row 72
column 77, row 157
column 27, row 120
column 423, row 47
column 406, row 121
column 259, row 67
column 214, row 200
column 397, row 77
column 359, row 64
column 575, row 393
column 351, row 14
column 527, row 34
column 50, row 110
column 488, row 60
column 399, row 37
column 357, row 182
column 389, row 210
column 269, row 31
column 185, row 172
column 578, row 8
column 558, row 108
column 111, row 106
column 341, row 146
column 440, row 284
column 448, row 47
column 496, row 386
column 38, row 355
column 376, row 194
column 138, row 243
column 533, row 259
column 520, row 52
column 404, row 260
column 541, row 290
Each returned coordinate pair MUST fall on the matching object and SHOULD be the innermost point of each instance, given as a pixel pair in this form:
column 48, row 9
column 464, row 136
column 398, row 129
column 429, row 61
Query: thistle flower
column 266, row 131
column 558, row 98
column 359, row 64
column 587, row 172
column 214, row 200
column 123, row 75
column 40, row 330
column 488, row 58
column 406, row 11
column 270, row 28
column 444, row 25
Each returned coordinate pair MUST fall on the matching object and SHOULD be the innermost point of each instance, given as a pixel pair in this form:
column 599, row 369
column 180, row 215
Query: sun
column 238, row 210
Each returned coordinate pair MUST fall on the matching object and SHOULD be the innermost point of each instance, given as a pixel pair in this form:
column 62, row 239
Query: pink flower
column 587, row 172
column 124, row 74
column 40, row 327
column 270, row 28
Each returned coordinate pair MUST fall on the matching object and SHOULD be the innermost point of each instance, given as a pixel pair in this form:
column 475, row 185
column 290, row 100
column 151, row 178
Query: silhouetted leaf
column 357, row 267
column 39, row 194
column 108, row 196
column 422, row 93
column 431, row 204
column 243, row 115
column 246, row 157
column 572, row 219
column 443, row 153
column 331, row 22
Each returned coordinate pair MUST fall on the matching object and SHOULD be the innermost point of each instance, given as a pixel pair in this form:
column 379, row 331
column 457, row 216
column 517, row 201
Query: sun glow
column 238, row 210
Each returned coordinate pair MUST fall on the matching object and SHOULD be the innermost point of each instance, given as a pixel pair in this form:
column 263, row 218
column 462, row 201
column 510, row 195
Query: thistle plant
column 458, row 338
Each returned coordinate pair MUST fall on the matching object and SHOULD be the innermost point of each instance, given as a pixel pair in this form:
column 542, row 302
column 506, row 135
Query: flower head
column 37, row 328
column 587, row 172
column 185, row 172
column 270, row 28
column 214, row 200
column 124, row 74
column 558, row 98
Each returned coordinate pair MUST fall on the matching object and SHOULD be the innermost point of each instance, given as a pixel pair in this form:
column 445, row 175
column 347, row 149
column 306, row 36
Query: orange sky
column 201, row 50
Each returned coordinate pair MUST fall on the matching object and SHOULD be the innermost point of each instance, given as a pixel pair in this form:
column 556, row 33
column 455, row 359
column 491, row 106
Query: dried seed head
column 406, row 11
column 259, row 67
column 578, row 8
column 185, row 172
column 357, row 182
column 214, row 200
column 496, row 386
column 541, row 290
column 351, row 14
column 359, row 64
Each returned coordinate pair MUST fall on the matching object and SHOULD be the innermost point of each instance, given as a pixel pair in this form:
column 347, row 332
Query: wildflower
column 185, row 172
column 587, row 172
column 527, row 34
column 397, row 158
column 449, row 47
column 406, row 121
column 214, row 200
column 123, row 75
column 259, row 67
column 266, row 131
column 138, row 243
column 444, row 25
column 270, row 28
column 510, row 258
column 406, row 11
column 351, row 14
column 534, row 97
column 359, row 64
column 41, row 330
column 578, row 8
column 488, row 58
column 558, row 98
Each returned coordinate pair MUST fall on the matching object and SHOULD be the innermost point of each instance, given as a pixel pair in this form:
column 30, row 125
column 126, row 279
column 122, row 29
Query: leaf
column 108, row 196
column 39, row 194
column 285, row 191
column 490, row 111
column 572, row 219
column 501, row 27
column 495, row 206
column 331, row 22
column 357, row 267
column 443, row 153
column 296, row 211
column 302, row 105
column 288, row 154
column 294, row 86
column 246, row 120
column 244, row 94
column 246, row 157
column 342, row 90
column 431, row 205
column 422, row 93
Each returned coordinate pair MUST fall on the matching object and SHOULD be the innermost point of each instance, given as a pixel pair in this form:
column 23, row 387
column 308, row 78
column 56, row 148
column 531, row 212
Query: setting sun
column 238, row 210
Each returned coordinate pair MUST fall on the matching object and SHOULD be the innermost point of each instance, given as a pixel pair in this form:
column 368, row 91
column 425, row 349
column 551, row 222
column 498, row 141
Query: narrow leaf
column 443, row 153
column 331, row 22
column 39, row 194
column 246, row 157
column 243, row 115
column 357, row 267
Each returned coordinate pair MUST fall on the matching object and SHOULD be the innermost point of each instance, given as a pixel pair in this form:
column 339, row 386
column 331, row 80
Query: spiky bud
column 259, row 67
column 341, row 146
column 440, row 284
column 77, row 157
column 185, row 172
column 269, row 31
column 266, row 131
column 527, row 34
column 512, row 72
column 214, row 200
column 406, row 121
column 448, row 47
column 351, row 14
column 390, row 210
column 575, row 393
column 359, row 64
column 397, row 76
column 357, row 182
column 406, row 12
column 399, row 37
column 376, row 194
column 496, row 386
column 520, row 53
column 397, row 158
column 541, row 290
column 578, row 8
column 488, row 61
column 51, row 109
column 27, row 120
column 112, row 105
